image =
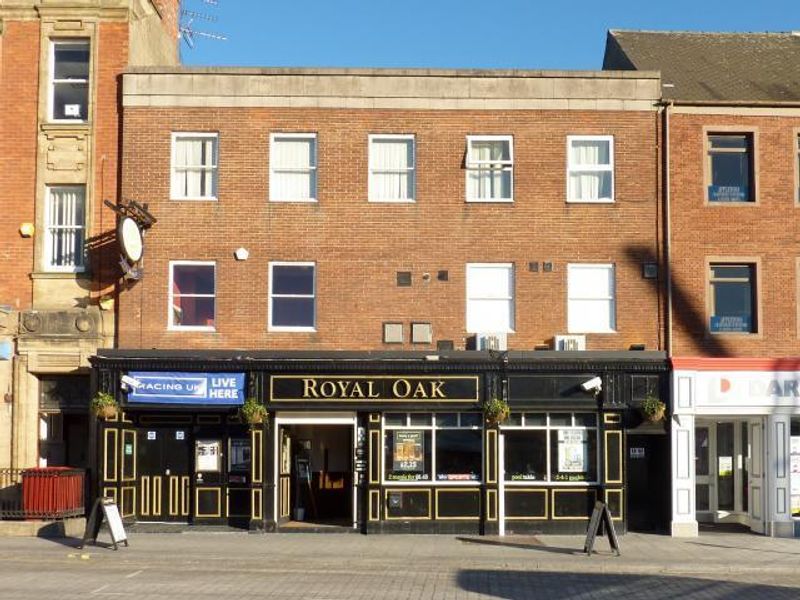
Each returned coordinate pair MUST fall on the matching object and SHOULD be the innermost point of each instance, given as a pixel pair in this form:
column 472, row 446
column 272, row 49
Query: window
column 391, row 168
column 554, row 447
column 730, row 167
column 490, row 298
column 733, row 298
column 293, row 167
column 490, row 168
column 65, row 215
column 590, row 168
column 69, row 80
column 292, row 297
column 445, row 447
column 194, row 166
column 591, row 306
column 192, row 295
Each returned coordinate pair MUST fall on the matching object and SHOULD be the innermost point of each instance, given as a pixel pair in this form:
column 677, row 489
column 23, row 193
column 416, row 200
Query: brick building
column 426, row 239
column 732, row 116
column 60, row 63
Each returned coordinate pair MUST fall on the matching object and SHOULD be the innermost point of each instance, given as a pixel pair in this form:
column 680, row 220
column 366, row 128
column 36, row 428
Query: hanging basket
column 653, row 409
column 107, row 412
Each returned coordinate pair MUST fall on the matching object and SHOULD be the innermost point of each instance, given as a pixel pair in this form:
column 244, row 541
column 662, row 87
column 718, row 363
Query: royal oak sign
column 378, row 388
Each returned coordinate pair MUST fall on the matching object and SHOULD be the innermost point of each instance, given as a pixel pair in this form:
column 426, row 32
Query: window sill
column 490, row 200
column 65, row 125
column 293, row 201
column 192, row 329
column 61, row 275
column 599, row 201
column 737, row 203
column 603, row 332
column 392, row 201
column 292, row 329
column 190, row 199
column 747, row 334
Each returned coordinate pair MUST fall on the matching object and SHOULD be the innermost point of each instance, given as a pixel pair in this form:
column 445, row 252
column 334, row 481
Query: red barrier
column 52, row 492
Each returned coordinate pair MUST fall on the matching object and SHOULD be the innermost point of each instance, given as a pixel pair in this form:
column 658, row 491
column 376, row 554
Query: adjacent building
column 732, row 158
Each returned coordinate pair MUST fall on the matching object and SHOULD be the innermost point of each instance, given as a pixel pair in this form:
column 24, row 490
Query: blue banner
column 727, row 193
column 731, row 324
column 156, row 387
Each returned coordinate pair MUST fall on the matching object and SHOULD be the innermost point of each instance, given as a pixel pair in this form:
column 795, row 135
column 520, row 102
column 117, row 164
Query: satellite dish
column 130, row 239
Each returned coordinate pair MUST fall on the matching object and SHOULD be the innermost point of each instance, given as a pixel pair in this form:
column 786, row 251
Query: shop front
column 736, row 445
column 369, row 442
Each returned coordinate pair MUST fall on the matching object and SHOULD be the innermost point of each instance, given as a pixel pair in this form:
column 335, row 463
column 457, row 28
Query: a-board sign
column 601, row 514
column 104, row 508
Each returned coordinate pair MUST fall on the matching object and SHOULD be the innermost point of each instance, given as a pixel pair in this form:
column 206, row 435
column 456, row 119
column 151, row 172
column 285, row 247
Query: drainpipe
column 667, row 229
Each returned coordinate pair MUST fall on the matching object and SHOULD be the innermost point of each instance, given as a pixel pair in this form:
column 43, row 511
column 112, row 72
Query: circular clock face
column 130, row 239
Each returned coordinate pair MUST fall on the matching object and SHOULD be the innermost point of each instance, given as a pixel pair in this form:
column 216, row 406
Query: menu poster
column 409, row 454
column 572, row 451
column 207, row 456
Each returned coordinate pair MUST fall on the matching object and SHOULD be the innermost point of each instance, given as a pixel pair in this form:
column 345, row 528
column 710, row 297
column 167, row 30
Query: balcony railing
column 48, row 493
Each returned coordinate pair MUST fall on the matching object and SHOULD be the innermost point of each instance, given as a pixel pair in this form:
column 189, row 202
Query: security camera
column 130, row 383
column 595, row 384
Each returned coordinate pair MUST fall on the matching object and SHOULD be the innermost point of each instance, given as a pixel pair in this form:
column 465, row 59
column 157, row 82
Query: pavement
column 203, row 565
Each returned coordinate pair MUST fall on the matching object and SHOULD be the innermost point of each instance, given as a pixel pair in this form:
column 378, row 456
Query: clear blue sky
column 526, row 34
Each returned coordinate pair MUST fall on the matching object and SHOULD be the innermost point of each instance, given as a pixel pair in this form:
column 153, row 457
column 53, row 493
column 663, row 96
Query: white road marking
column 134, row 574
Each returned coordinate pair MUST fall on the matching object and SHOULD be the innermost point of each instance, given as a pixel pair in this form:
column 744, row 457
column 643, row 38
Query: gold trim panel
column 228, row 492
column 158, row 488
column 492, row 448
column 106, row 433
column 131, row 476
column 612, row 418
column 374, row 501
column 386, row 503
column 374, row 417
column 529, row 491
column 255, row 504
column 174, row 495
column 284, row 500
column 572, row 491
column 218, row 492
column 110, row 492
column 130, row 506
column 477, row 491
column 605, row 456
column 144, row 495
column 184, row 496
column 621, row 504
column 256, row 452
column 374, row 469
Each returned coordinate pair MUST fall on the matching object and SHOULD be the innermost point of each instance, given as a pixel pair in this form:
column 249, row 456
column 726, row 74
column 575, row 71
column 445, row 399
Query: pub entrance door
column 164, row 467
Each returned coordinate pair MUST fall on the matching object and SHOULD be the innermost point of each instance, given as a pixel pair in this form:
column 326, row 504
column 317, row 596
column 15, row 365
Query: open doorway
column 316, row 475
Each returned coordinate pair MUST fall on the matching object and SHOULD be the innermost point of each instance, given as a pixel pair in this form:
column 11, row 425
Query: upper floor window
column 192, row 295
column 65, row 216
column 194, row 166
column 730, row 167
column 591, row 304
column 391, row 168
column 293, row 167
column 733, row 298
column 590, row 168
column 490, row 168
column 69, row 80
column 490, row 297
column 292, row 296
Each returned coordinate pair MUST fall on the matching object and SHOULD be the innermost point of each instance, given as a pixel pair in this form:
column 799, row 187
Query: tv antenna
column 187, row 24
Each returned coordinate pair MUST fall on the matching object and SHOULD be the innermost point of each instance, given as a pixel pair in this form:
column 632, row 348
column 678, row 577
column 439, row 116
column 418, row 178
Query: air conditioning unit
column 570, row 343
column 491, row 341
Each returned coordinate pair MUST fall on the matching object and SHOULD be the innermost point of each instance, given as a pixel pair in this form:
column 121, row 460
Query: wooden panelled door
column 164, row 461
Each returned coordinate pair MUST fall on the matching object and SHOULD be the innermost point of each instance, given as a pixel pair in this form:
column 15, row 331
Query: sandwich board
column 104, row 508
column 601, row 514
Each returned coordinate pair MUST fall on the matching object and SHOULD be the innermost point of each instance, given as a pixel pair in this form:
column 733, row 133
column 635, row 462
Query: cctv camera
column 130, row 382
column 595, row 384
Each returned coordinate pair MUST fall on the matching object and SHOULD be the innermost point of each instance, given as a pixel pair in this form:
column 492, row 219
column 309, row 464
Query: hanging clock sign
column 130, row 239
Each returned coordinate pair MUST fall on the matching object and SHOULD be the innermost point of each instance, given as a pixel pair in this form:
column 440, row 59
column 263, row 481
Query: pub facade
column 375, row 442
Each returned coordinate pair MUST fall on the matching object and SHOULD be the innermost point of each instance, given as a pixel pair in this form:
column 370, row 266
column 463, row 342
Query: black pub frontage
column 382, row 442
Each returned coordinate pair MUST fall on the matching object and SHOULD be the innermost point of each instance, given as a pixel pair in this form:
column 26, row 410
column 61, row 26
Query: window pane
column 560, row 419
column 471, row 419
column 590, row 185
column 191, row 311
column 458, row 455
column 701, row 450
column 514, row 420
column 421, row 419
column 525, row 455
column 535, row 419
column 488, row 315
column 585, row 316
column 590, row 281
column 293, row 279
column 733, row 300
column 292, row 312
column 408, row 454
column 702, row 496
column 446, row 419
column 389, row 154
column 293, row 185
column 729, row 141
column 71, row 61
column 293, row 153
column 731, row 271
column 590, row 152
column 395, row 418
column 585, row 420
column 66, row 219
column 391, row 186
column 70, row 100
column 489, row 281
column 193, row 279
column 573, row 455
column 490, row 150
column 489, row 184
column 730, row 168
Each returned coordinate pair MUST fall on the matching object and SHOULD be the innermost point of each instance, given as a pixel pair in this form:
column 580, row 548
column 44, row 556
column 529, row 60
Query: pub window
column 292, row 296
column 69, row 80
column 65, row 215
column 490, row 168
column 490, row 297
column 293, row 167
column 733, row 298
column 554, row 447
column 192, row 295
column 194, row 166
column 391, row 168
column 422, row 447
column 730, row 167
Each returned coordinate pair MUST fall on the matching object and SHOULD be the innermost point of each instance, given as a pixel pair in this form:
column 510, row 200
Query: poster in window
column 409, row 455
column 207, row 456
column 572, row 451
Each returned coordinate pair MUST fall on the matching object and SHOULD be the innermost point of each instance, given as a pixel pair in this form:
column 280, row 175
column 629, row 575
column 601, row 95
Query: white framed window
column 292, row 296
column 293, row 167
column 194, row 166
column 192, row 295
column 391, row 168
column 590, row 168
column 69, row 80
column 65, row 216
column 490, row 168
column 490, row 297
column 591, row 304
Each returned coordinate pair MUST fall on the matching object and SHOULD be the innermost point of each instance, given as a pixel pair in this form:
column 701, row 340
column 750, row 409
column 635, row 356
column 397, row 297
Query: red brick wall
column 767, row 230
column 19, row 98
column 359, row 246
column 170, row 15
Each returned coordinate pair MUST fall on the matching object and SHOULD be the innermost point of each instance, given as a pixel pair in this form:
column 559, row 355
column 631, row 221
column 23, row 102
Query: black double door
column 648, row 469
column 164, row 466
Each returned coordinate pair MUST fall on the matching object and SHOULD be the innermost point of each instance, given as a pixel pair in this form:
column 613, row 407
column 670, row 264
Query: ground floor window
column 551, row 447
column 795, row 466
column 433, row 446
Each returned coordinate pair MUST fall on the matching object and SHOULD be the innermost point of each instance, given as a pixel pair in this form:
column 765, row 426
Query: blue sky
column 526, row 34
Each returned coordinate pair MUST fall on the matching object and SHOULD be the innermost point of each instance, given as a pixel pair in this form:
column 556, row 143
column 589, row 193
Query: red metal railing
column 46, row 493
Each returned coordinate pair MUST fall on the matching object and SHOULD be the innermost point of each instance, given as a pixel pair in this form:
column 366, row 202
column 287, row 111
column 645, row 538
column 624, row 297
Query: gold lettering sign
column 378, row 388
